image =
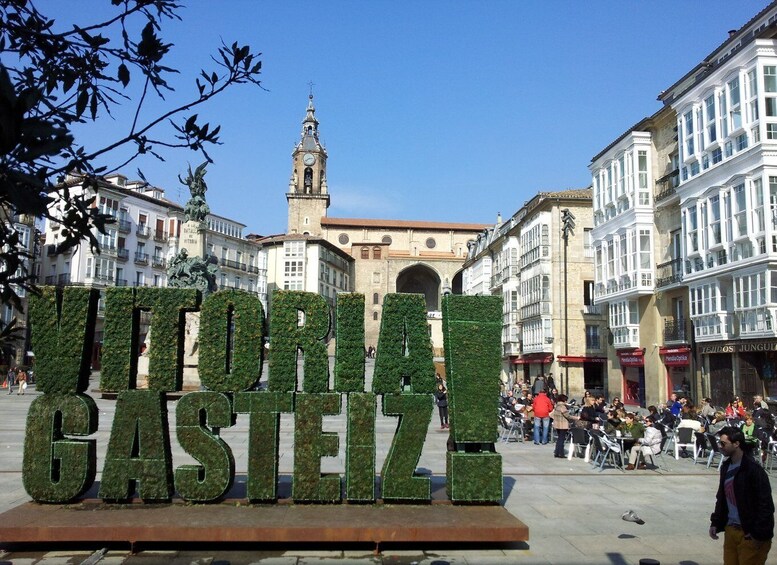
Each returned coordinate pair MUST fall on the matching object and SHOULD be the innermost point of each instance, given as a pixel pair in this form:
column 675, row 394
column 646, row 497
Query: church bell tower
column 308, row 195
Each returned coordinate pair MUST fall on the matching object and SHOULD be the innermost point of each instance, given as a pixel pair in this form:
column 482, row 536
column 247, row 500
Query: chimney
column 498, row 218
column 731, row 33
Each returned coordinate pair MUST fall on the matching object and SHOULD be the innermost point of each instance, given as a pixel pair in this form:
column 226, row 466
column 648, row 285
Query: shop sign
column 676, row 356
column 741, row 347
column 632, row 358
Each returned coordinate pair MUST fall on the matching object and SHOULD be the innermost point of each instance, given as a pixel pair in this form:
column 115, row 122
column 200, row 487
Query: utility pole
column 567, row 227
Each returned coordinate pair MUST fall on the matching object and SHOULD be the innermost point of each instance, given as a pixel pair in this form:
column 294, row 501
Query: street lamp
column 567, row 227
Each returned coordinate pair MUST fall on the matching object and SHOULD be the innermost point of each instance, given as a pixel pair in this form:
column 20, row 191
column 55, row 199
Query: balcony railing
column 160, row 235
column 233, row 264
column 142, row 230
column 141, row 258
column 125, row 226
column 121, row 282
column 122, row 253
column 51, row 250
column 138, row 283
column 158, row 261
column 675, row 329
column 670, row 272
column 592, row 309
column 252, row 269
column 50, row 280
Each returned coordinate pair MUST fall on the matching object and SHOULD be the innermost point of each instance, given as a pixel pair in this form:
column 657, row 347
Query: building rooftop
column 403, row 224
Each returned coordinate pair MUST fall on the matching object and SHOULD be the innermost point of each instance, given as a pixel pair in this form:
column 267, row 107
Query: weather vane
column 311, row 84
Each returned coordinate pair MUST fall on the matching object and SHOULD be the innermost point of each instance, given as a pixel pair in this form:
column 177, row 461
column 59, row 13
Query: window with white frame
column 691, row 229
column 588, row 241
column 723, row 105
column 735, row 108
column 688, row 131
column 645, row 248
column 752, row 93
column 644, row 191
column 740, row 210
column 758, row 210
column 709, row 109
column 714, row 211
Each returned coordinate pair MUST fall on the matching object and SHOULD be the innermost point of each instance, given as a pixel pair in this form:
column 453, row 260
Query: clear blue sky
column 440, row 111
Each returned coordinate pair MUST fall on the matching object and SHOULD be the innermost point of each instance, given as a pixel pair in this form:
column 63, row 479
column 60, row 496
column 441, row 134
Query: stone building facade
column 387, row 256
column 550, row 326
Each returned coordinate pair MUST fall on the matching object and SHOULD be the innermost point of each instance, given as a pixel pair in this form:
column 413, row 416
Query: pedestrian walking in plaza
column 744, row 509
column 561, row 421
column 9, row 380
column 441, row 397
column 21, row 380
column 542, row 406
column 539, row 385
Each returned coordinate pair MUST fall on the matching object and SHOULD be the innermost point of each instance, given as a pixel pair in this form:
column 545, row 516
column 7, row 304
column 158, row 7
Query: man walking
column 9, row 380
column 743, row 508
column 542, row 406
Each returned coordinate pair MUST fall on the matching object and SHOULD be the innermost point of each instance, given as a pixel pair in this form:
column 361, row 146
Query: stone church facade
column 388, row 255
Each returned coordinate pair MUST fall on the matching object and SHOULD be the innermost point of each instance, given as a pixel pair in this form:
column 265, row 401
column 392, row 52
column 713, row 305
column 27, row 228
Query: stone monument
column 190, row 268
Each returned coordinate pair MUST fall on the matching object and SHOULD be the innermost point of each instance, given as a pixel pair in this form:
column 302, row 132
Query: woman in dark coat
column 441, row 397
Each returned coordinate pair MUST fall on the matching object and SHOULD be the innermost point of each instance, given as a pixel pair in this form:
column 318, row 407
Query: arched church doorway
column 456, row 283
column 421, row 279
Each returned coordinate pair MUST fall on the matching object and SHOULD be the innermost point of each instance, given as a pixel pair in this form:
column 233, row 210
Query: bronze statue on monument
column 191, row 268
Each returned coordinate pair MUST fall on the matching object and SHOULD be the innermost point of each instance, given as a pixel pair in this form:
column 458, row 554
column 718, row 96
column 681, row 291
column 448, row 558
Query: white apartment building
column 550, row 325
column 307, row 263
column 15, row 351
column 136, row 248
column 727, row 134
column 627, row 244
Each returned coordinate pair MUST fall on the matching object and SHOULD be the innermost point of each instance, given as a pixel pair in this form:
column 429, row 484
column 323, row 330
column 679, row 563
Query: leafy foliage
column 264, row 409
column 57, row 469
column 54, row 76
column 398, row 478
column 62, row 325
column 120, row 342
column 360, row 448
column 231, row 317
column 165, row 357
column 349, row 357
column 310, row 444
column 405, row 360
column 472, row 329
column 472, row 333
column 199, row 416
column 139, row 449
column 288, row 335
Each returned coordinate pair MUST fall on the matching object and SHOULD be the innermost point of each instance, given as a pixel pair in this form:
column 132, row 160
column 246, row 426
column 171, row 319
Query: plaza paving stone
column 573, row 511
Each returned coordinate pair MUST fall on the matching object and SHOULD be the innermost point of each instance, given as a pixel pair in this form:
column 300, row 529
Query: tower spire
column 310, row 123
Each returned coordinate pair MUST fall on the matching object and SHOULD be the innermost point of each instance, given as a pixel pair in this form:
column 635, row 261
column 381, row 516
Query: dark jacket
column 442, row 398
column 753, row 494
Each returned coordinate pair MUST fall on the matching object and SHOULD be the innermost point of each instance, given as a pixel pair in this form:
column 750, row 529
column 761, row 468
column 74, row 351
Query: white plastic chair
column 684, row 437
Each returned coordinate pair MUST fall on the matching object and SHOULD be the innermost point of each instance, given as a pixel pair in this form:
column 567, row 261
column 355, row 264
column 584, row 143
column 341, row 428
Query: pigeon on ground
column 630, row 516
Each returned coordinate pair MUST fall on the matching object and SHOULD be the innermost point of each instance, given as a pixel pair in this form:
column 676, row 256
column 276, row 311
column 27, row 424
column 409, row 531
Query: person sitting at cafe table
column 649, row 445
column 631, row 429
column 748, row 428
column 588, row 415
column 718, row 422
column 612, row 422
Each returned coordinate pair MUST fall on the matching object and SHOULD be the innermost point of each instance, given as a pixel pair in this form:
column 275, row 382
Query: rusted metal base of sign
column 92, row 521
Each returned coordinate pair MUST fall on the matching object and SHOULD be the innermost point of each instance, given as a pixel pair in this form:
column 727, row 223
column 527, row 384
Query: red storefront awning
column 581, row 359
column 539, row 358
column 631, row 358
column 676, row 356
